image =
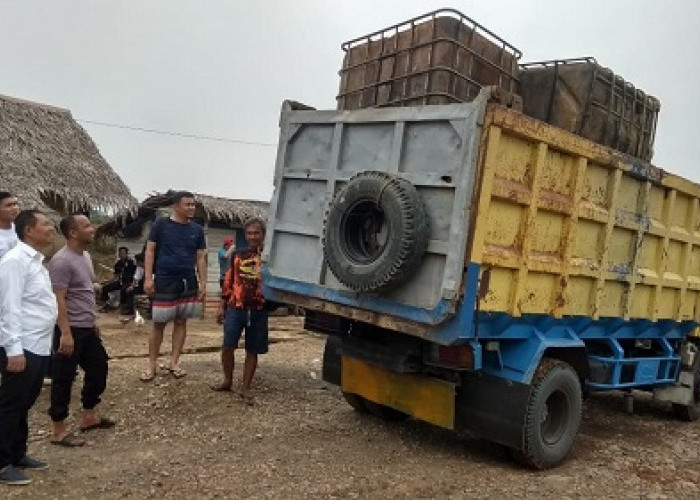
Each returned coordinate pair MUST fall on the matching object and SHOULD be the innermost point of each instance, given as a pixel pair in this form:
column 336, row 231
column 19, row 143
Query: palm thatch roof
column 129, row 223
column 49, row 162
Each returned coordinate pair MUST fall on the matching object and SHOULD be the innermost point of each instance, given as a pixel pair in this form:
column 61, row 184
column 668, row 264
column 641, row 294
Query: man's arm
column 202, row 272
column 66, row 344
column 225, row 293
column 148, row 285
column 11, row 285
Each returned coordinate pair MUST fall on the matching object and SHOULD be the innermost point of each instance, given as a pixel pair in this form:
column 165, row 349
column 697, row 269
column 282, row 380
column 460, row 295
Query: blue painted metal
column 273, row 286
column 511, row 348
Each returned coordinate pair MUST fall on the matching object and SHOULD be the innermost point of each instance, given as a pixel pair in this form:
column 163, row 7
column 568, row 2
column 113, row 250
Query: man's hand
column 66, row 345
column 98, row 332
column 149, row 286
column 220, row 316
column 16, row 364
column 202, row 293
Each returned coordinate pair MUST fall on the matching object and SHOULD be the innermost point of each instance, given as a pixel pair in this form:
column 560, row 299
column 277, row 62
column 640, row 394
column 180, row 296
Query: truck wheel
column 385, row 412
column 690, row 413
column 375, row 232
column 553, row 415
column 356, row 401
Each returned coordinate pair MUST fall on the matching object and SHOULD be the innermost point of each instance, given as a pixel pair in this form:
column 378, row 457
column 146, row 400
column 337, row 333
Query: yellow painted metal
column 568, row 227
column 428, row 399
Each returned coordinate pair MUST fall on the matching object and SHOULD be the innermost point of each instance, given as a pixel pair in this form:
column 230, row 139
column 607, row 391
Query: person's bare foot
column 221, row 387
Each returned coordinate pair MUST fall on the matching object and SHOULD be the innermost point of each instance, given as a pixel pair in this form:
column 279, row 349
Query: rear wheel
column 553, row 415
column 691, row 412
column 356, row 401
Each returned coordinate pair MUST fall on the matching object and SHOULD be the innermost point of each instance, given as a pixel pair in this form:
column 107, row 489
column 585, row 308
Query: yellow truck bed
column 567, row 227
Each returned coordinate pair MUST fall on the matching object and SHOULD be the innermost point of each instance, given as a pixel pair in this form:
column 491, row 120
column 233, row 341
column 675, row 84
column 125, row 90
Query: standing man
column 175, row 246
column 243, row 307
column 8, row 212
column 27, row 316
column 77, row 339
column 225, row 258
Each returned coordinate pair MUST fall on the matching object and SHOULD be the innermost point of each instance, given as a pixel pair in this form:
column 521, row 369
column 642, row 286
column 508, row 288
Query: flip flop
column 147, row 376
column 177, row 372
column 104, row 423
column 247, row 398
column 70, row 440
column 220, row 388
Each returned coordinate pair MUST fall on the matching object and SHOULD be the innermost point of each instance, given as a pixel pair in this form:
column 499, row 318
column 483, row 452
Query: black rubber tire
column 553, row 415
column 385, row 412
column 372, row 202
column 356, row 401
column 690, row 413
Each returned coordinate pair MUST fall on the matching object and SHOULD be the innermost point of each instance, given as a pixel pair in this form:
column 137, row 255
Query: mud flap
column 331, row 360
column 492, row 408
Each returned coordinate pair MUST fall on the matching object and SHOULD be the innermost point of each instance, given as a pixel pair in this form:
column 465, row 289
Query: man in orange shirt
column 242, row 307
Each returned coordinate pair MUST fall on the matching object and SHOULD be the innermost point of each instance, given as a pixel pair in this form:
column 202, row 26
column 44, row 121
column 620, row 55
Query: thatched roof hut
column 49, row 162
column 211, row 210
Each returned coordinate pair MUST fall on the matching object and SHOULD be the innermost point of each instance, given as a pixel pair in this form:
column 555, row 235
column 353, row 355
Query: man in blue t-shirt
column 176, row 278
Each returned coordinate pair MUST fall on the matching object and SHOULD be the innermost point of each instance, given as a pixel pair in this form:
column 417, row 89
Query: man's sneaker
column 13, row 476
column 32, row 464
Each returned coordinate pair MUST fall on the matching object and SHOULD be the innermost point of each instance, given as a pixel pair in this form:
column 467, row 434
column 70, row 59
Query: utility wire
column 178, row 134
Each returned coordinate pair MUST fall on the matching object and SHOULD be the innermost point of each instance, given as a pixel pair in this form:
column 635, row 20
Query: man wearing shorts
column 243, row 308
column 175, row 246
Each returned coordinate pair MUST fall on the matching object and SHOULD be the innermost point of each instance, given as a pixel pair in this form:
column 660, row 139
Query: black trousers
column 108, row 288
column 126, row 297
column 18, row 393
column 90, row 355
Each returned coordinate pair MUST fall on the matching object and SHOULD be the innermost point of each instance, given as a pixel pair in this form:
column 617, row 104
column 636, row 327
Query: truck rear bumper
column 429, row 399
column 484, row 406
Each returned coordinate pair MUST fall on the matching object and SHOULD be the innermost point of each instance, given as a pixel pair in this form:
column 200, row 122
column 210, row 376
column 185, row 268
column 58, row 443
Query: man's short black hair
column 177, row 196
column 68, row 223
column 255, row 221
column 123, row 248
column 4, row 195
column 26, row 219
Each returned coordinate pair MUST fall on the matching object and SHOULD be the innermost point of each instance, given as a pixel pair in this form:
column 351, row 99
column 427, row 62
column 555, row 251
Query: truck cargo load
column 587, row 99
column 439, row 58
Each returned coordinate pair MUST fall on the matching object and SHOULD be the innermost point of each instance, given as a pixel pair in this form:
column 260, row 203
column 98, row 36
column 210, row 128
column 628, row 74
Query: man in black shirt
column 124, row 269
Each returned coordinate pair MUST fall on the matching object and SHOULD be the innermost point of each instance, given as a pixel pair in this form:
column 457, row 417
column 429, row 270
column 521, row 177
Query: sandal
column 177, row 372
column 147, row 376
column 103, row 423
column 221, row 388
column 69, row 440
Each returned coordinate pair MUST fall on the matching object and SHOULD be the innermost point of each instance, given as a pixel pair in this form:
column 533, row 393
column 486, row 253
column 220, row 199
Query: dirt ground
column 178, row 439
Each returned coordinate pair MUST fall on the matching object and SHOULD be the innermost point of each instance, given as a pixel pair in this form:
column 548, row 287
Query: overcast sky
column 221, row 68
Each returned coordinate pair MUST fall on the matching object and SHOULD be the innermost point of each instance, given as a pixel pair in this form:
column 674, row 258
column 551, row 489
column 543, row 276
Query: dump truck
column 481, row 270
column 477, row 268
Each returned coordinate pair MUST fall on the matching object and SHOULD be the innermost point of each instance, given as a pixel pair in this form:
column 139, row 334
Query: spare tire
column 376, row 232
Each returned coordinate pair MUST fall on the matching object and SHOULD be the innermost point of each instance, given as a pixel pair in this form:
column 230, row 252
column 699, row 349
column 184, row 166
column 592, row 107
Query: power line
column 178, row 134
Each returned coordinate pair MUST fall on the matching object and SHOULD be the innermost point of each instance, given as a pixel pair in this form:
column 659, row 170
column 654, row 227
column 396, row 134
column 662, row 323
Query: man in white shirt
column 28, row 313
column 8, row 212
